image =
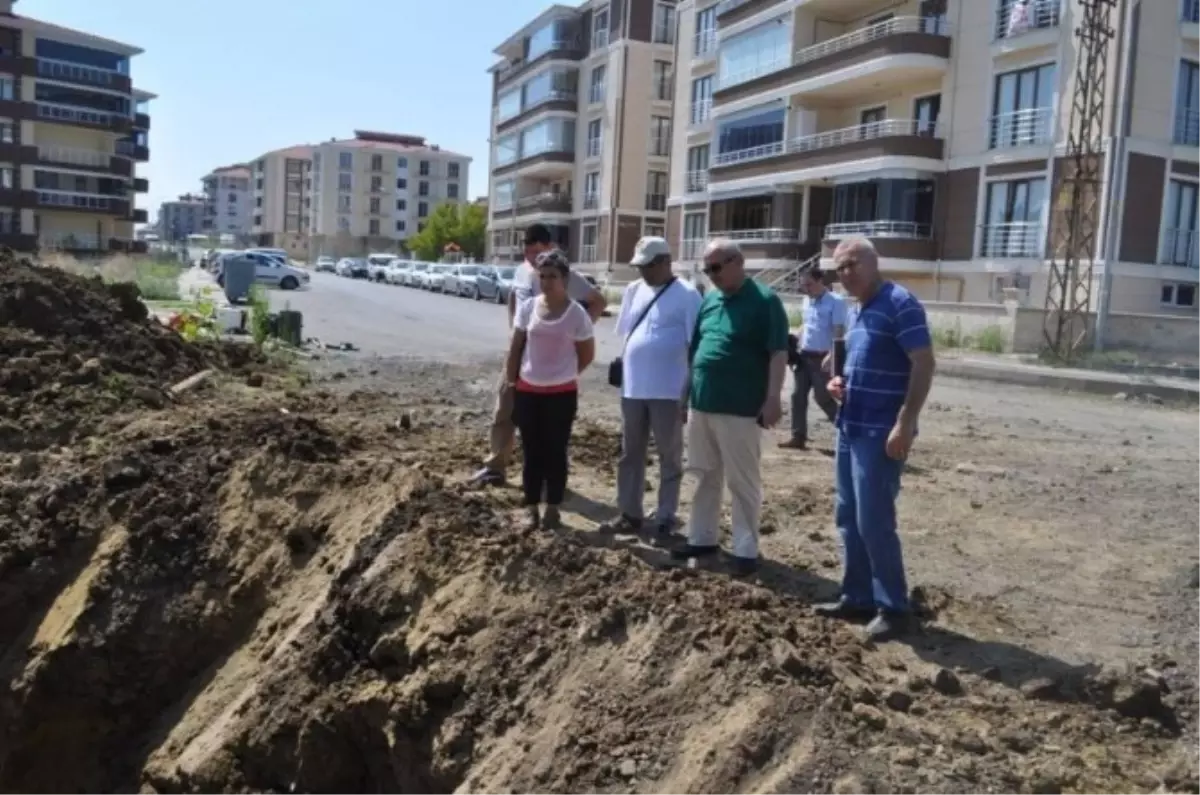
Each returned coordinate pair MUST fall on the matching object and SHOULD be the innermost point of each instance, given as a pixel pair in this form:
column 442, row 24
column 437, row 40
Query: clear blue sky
column 236, row 78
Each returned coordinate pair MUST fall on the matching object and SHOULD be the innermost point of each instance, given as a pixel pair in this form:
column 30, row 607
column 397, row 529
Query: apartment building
column 936, row 128
column 72, row 126
column 581, row 129
column 375, row 190
column 182, row 217
column 281, row 187
column 228, row 201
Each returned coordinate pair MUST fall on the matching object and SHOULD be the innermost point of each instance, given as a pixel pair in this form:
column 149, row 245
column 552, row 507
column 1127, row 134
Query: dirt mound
column 270, row 601
column 74, row 350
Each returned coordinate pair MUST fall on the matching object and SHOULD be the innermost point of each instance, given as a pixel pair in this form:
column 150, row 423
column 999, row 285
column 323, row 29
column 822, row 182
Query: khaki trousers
column 504, row 430
column 723, row 448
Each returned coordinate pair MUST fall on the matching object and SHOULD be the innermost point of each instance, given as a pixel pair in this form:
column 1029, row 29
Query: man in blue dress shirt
column 824, row 322
column 888, row 370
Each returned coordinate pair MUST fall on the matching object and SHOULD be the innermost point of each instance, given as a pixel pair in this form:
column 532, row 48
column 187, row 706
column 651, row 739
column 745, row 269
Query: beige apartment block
column 72, row 126
column 374, row 191
column 581, row 129
column 938, row 129
column 281, row 189
column 228, row 201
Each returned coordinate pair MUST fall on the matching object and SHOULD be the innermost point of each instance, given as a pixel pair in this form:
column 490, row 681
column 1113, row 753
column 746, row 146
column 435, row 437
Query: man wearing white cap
column 656, row 322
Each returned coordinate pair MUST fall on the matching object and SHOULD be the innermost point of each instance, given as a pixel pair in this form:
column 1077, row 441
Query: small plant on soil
column 260, row 315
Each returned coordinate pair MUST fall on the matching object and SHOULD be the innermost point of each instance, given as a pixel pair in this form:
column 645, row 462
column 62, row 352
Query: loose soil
column 280, row 589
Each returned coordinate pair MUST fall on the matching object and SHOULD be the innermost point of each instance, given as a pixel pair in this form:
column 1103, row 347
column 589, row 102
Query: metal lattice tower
column 1074, row 213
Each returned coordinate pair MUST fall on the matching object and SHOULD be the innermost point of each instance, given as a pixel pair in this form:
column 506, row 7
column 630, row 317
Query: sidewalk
column 1097, row 382
column 196, row 283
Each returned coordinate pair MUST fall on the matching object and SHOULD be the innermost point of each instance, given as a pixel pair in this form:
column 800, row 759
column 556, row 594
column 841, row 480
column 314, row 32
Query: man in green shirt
column 739, row 359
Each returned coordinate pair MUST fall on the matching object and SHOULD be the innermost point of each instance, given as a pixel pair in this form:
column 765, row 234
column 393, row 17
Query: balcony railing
column 74, row 157
column 908, row 230
column 696, row 182
column 664, row 34
column 126, row 148
column 823, row 140
column 549, row 201
column 513, row 66
column 561, row 95
column 1187, row 126
column 594, row 147
column 48, row 110
column 1190, row 11
column 1180, row 247
column 548, row 147
column 704, row 44
column 587, row 253
column 656, row 202
column 773, row 235
column 599, row 39
column 52, row 69
column 80, row 242
column 1017, row 17
column 880, row 30
column 88, row 201
column 1027, row 127
column 692, row 248
column 591, row 201
column 1018, row 240
column 701, row 112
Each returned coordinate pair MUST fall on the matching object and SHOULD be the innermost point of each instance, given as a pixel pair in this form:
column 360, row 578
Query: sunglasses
column 713, row 268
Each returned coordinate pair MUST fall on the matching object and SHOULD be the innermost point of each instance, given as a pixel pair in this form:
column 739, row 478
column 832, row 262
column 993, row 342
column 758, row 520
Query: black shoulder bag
column 616, row 368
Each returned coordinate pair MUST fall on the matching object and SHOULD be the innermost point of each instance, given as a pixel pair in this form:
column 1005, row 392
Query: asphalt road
column 387, row 320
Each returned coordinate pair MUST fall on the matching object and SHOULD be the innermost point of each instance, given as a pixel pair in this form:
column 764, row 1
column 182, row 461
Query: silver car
column 435, row 281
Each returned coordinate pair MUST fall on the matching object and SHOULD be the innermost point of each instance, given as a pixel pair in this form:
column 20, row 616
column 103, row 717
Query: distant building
column 182, row 217
column 228, row 201
column 281, row 189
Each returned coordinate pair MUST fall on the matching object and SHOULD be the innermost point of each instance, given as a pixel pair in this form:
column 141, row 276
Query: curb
column 1098, row 385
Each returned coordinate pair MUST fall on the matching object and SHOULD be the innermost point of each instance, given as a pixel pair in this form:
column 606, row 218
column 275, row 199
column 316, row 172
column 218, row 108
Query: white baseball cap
column 647, row 249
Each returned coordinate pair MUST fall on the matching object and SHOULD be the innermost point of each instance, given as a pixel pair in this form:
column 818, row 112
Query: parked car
column 436, row 280
column 398, row 271
column 268, row 269
column 416, row 275
column 377, row 265
column 504, row 283
column 353, row 267
column 325, row 264
column 452, row 281
column 471, row 279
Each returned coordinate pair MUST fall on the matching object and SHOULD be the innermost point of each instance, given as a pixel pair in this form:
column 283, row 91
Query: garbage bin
column 238, row 273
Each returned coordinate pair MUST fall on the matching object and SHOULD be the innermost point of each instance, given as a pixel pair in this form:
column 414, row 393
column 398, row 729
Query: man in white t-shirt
column 657, row 320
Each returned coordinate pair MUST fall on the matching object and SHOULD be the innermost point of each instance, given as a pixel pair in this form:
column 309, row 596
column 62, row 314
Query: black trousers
column 545, row 421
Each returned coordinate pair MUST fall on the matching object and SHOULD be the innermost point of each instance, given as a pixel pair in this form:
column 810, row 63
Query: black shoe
column 743, row 567
column 689, row 551
column 794, row 444
column 488, row 477
column 551, row 518
column 843, row 610
column 888, row 625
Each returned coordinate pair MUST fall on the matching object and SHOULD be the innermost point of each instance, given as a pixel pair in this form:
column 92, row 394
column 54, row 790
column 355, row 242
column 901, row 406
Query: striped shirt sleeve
column 912, row 330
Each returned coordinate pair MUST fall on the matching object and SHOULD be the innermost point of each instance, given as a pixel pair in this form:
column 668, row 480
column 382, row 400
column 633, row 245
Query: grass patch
column 157, row 277
column 989, row 339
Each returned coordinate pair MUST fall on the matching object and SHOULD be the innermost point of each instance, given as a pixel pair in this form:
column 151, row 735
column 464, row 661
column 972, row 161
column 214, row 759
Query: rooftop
column 395, row 142
column 553, row 12
column 72, row 36
column 235, row 170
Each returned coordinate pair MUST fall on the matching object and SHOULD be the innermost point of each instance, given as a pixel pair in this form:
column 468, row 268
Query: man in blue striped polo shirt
column 888, row 370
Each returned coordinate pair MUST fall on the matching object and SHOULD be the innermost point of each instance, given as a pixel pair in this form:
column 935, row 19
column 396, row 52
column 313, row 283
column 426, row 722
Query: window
column 373, row 226
column 702, row 88
column 1180, row 243
column 1174, row 294
column 695, row 232
column 664, row 24
column 596, row 85
column 423, row 169
column 345, row 161
column 7, row 132
column 401, row 184
column 1022, row 107
column 660, row 136
column 401, row 205
column 926, row 111
column 656, row 191
column 452, row 191
column 422, row 209
column 343, row 224
column 508, row 149
column 1013, row 218
column 697, row 169
column 452, row 170
column 547, row 38
column 376, row 184
column 594, row 143
column 1015, row 17
column 653, row 228
column 891, row 207
column 422, row 188
column 754, row 53
column 503, row 193
column 345, row 182
column 588, row 236
column 600, row 28
column 374, row 205
column 1187, row 109
column 591, row 190
column 377, row 162
column 402, row 163
column 401, row 225
column 706, row 32
column 662, row 80
column 548, row 135
column 8, row 87
column 757, row 129
column 343, row 203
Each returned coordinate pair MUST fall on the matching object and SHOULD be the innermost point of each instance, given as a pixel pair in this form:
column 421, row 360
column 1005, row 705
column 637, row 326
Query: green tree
column 465, row 226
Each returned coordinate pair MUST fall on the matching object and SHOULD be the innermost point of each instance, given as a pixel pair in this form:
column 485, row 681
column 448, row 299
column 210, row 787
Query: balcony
column 1180, row 248
column 763, row 244
column 695, row 182
column 599, row 39
column 1026, row 127
column 1187, row 126
column 552, row 101
column 546, row 160
column 892, row 239
column 11, row 152
column 856, row 147
column 18, row 65
column 733, row 11
column 140, row 217
column 84, row 117
column 73, row 242
column 1016, row 240
column 67, row 72
column 591, row 201
column 565, row 49
column 1021, row 24
column 82, row 202
column 141, row 185
column 90, row 159
column 549, row 202
column 888, row 54
column 587, row 253
column 656, row 202
column 1189, row 12
column 704, row 45
column 141, row 121
column 701, row 114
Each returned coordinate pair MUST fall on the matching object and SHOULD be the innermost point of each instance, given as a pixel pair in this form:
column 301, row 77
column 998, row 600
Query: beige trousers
column 504, row 430
column 724, row 448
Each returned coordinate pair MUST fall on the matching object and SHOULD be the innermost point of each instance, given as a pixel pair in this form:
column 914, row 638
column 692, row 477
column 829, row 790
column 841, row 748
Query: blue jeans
column 868, row 483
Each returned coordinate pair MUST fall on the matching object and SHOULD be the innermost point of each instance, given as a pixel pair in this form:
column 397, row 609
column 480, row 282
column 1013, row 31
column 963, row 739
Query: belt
column 813, row 353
